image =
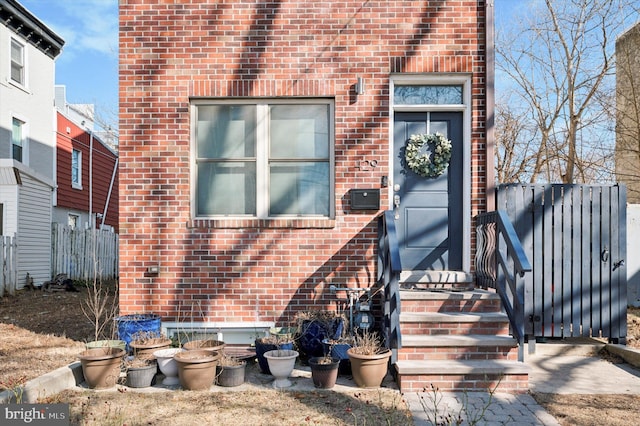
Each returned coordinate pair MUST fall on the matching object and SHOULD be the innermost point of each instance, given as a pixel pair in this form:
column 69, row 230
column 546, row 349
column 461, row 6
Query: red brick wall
column 266, row 270
column 104, row 160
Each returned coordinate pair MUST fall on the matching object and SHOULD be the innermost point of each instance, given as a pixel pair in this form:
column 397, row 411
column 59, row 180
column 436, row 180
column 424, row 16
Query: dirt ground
column 41, row 331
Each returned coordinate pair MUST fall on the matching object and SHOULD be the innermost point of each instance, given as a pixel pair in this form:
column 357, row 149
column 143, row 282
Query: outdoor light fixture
column 360, row 86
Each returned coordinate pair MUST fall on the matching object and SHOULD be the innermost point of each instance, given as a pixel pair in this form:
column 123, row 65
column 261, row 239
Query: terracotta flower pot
column 369, row 370
column 324, row 374
column 120, row 344
column 209, row 345
column 101, row 366
column 146, row 348
column 197, row 368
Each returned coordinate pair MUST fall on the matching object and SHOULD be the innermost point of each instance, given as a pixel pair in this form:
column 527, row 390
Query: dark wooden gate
column 575, row 238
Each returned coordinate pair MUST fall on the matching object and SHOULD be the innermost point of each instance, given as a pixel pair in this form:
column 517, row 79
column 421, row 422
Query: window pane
column 299, row 131
column 227, row 188
column 16, row 139
column 75, row 166
column 299, row 188
column 441, row 127
column 226, row 131
column 427, row 95
column 17, row 62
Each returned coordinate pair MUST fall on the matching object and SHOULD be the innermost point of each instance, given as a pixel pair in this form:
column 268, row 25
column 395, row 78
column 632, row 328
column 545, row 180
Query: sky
column 88, row 64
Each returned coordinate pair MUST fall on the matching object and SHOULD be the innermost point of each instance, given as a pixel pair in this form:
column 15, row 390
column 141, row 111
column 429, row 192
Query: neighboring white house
column 28, row 50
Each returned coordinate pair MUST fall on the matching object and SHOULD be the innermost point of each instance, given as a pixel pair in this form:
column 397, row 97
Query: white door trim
column 428, row 79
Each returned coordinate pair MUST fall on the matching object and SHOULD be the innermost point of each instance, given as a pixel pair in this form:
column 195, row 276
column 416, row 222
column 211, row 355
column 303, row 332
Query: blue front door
column 429, row 210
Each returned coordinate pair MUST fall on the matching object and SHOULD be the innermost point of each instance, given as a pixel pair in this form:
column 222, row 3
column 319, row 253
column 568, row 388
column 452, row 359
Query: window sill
column 224, row 223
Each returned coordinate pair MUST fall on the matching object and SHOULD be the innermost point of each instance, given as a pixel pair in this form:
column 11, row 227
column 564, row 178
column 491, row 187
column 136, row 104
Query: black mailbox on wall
column 365, row 199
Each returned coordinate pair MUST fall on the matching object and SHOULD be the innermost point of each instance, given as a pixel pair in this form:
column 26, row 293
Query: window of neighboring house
column 76, row 169
column 17, row 62
column 264, row 159
column 17, row 139
column 73, row 221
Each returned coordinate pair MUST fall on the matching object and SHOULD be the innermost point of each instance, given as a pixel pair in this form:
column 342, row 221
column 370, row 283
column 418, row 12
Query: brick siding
column 257, row 270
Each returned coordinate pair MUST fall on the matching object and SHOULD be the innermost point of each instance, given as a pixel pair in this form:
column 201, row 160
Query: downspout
column 490, row 60
column 91, row 218
column 106, row 204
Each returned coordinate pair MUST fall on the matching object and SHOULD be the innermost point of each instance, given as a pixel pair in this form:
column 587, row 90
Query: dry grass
column 40, row 332
column 265, row 407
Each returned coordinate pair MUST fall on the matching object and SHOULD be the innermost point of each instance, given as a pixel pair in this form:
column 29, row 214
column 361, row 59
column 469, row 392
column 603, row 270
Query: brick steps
column 457, row 341
column 459, row 376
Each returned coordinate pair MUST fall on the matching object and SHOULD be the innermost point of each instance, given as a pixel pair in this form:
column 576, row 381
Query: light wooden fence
column 84, row 254
column 8, row 257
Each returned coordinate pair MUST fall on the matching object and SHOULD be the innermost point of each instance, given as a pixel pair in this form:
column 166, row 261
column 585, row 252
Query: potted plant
column 315, row 326
column 133, row 325
column 270, row 343
column 230, row 371
column 369, row 360
column 338, row 348
column 101, row 366
column 197, row 368
column 141, row 372
column 101, row 361
column 100, row 307
column 281, row 363
column 324, row 371
column 205, row 344
column 168, row 365
column 145, row 343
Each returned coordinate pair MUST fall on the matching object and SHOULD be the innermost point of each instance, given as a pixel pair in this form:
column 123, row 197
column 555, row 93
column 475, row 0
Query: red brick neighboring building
column 77, row 191
column 244, row 125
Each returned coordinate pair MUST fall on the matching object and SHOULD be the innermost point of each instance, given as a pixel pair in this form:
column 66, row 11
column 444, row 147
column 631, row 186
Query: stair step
column 453, row 317
column 459, row 367
column 442, row 341
column 473, row 295
column 445, row 323
column 435, row 277
column 416, row 301
column 462, row 376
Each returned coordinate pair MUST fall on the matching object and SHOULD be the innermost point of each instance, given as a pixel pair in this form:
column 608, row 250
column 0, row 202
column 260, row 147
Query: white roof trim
column 11, row 170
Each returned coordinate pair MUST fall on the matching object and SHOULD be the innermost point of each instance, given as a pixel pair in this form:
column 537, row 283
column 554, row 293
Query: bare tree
column 516, row 146
column 559, row 65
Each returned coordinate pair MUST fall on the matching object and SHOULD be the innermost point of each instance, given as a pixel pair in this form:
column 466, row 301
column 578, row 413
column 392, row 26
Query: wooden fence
column 575, row 238
column 8, row 258
column 84, row 254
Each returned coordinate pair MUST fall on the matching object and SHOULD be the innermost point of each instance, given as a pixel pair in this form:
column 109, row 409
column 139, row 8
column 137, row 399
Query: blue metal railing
column 389, row 269
column 501, row 263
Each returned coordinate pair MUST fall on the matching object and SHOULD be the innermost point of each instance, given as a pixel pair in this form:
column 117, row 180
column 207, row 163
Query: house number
column 366, row 165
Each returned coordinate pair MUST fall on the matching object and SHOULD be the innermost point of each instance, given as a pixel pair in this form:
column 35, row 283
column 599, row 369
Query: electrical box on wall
column 365, row 199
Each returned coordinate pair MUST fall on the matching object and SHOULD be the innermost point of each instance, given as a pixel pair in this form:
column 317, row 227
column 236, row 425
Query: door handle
column 396, row 204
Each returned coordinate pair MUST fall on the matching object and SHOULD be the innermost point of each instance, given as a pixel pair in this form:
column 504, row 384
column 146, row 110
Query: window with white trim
column 76, row 169
column 263, row 159
column 17, row 62
column 17, row 139
column 73, row 221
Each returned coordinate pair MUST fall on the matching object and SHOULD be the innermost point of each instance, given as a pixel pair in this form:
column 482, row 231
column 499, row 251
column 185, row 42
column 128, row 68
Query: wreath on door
column 430, row 161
